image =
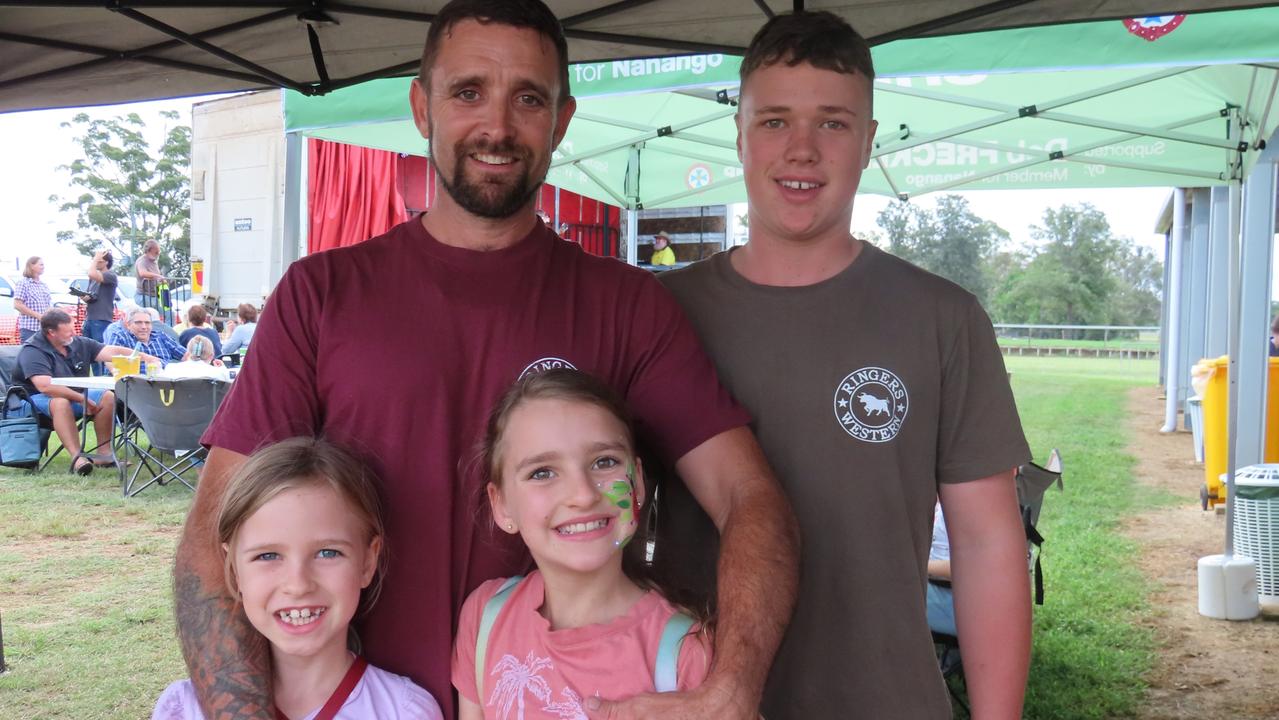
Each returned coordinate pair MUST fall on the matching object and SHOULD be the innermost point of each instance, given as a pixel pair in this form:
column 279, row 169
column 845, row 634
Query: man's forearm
column 757, row 581
column 60, row 391
column 225, row 656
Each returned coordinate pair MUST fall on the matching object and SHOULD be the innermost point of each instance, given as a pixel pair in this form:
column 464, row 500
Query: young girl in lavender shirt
column 589, row 622
column 301, row 529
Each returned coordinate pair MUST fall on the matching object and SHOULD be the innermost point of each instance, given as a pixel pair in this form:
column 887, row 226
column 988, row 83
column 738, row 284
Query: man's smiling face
column 492, row 115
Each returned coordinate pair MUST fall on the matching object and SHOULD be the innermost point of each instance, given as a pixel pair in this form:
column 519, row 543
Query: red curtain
column 353, row 194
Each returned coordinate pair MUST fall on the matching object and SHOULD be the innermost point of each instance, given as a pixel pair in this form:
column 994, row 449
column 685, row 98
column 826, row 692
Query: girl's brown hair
column 576, row 386
column 247, row 313
column 28, row 271
column 299, row 463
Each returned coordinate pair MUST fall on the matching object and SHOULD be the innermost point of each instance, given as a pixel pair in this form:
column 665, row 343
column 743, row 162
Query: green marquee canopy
column 1083, row 105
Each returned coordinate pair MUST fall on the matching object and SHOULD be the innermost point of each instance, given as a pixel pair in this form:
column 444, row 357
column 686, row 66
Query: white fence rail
column 1115, row 341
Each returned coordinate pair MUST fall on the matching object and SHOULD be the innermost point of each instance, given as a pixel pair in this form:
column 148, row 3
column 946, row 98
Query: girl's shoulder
column 406, row 699
column 178, row 702
column 480, row 596
column 692, row 644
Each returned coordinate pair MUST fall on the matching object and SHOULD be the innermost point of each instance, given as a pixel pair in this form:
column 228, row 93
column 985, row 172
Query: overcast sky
column 34, row 145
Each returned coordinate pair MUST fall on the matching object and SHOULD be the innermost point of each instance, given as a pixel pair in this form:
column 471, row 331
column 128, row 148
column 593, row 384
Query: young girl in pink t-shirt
column 301, row 530
column 563, row 473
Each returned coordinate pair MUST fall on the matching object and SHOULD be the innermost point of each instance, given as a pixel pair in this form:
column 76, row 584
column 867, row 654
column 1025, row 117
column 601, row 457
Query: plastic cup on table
column 123, row 365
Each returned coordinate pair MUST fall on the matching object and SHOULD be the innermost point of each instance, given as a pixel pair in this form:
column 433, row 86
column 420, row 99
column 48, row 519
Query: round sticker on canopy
column 699, row 176
column 1154, row 27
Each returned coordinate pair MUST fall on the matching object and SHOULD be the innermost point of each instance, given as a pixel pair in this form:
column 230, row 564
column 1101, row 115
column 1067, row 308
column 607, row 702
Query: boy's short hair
column 821, row 39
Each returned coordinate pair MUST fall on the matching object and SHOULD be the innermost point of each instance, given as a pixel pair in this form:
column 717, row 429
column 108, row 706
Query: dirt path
column 1206, row 669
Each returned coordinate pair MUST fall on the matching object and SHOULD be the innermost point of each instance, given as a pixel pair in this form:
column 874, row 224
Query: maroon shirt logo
column 547, row 363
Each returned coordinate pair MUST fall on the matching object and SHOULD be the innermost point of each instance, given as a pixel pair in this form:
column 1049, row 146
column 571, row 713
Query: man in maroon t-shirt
column 498, row 295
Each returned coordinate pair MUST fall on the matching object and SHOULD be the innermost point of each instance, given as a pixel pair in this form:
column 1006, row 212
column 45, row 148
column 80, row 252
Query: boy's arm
column 226, row 657
column 992, row 591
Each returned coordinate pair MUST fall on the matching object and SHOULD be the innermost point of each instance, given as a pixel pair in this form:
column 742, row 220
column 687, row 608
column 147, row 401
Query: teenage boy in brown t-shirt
column 875, row 387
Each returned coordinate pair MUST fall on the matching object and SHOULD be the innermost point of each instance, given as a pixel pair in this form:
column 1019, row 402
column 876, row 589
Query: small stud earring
column 510, row 526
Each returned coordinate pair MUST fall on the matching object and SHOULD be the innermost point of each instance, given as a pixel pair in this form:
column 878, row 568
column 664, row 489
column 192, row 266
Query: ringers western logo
column 871, row 404
column 547, row 363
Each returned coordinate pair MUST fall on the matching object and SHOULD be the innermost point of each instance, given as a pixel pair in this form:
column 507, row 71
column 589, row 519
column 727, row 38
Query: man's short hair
column 531, row 14
column 821, row 39
column 136, row 312
column 52, row 320
column 197, row 315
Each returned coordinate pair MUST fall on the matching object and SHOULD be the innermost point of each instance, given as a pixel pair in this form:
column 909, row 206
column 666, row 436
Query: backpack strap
column 665, row 675
column 492, row 609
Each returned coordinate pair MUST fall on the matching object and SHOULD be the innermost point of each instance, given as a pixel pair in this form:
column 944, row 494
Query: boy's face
column 804, row 137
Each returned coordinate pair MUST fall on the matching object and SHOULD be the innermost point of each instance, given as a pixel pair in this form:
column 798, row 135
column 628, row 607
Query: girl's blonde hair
column 28, row 271
column 301, row 462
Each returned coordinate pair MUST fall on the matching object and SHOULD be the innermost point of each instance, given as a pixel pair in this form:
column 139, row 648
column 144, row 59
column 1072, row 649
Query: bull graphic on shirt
column 873, row 405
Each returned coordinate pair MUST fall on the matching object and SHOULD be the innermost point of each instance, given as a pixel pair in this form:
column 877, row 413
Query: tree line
column 1077, row 272
column 128, row 192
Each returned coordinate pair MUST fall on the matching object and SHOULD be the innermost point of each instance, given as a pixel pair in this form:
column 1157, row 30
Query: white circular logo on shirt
column 871, row 404
column 547, row 363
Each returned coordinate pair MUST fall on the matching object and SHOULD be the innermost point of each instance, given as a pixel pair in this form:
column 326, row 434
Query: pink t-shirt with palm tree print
column 536, row 673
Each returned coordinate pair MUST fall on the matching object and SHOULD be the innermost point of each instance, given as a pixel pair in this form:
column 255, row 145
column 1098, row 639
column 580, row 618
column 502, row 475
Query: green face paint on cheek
column 622, row 494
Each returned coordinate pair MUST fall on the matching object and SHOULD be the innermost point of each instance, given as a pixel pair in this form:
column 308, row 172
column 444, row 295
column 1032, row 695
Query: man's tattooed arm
column 226, row 657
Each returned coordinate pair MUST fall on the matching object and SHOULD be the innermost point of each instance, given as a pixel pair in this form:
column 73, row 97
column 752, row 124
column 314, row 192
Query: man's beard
column 488, row 200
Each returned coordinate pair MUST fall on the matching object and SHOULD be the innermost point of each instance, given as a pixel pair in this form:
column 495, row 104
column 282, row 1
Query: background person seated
column 197, row 319
column 242, row 332
column 663, row 253
column 136, row 331
column 941, row 601
column 58, row 352
column 199, row 361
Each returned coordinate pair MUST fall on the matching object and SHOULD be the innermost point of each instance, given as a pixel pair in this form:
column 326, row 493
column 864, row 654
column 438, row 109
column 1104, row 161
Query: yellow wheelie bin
column 1216, row 395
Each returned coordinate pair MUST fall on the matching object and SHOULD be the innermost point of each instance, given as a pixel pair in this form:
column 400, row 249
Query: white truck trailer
column 246, row 186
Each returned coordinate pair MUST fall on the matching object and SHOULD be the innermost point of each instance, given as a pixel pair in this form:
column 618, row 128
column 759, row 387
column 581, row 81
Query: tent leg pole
column 294, row 201
column 1173, row 378
column 632, row 237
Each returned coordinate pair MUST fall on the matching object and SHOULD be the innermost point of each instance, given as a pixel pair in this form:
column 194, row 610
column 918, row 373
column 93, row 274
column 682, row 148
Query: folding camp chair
column 166, row 419
column 1032, row 482
column 8, row 364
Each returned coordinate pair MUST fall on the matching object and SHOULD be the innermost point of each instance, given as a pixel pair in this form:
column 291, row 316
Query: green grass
column 1091, row 646
column 85, row 574
column 84, row 593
